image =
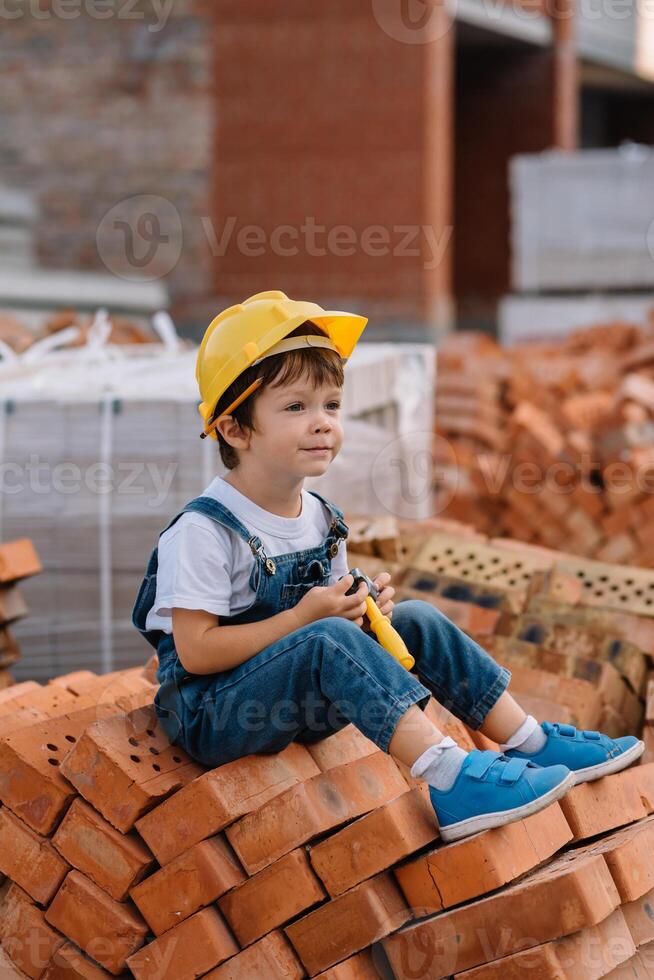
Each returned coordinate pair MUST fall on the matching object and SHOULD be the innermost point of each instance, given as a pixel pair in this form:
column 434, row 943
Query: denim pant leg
column 462, row 676
column 329, row 668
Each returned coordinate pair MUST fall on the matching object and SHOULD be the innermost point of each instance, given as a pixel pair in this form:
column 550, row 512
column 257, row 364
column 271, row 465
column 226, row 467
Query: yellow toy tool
column 381, row 625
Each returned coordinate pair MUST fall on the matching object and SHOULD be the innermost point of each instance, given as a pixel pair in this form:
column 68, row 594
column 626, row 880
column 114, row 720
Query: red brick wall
column 504, row 106
column 323, row 115
column 94, row 111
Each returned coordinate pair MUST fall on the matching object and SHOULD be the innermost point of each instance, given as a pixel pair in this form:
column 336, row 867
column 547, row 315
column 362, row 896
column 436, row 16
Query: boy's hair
column 321, row 366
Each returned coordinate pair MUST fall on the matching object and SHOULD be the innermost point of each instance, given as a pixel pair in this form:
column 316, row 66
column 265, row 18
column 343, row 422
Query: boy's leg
column 461, row 675
column 467, row 681
column 307, row 683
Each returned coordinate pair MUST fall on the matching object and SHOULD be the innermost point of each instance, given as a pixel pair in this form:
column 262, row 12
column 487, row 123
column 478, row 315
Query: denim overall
column 318, row 678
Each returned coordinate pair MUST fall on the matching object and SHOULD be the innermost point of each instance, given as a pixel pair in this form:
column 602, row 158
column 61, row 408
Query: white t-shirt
column 204, row 565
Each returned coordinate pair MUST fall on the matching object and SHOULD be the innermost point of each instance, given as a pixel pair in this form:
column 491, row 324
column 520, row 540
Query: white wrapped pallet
column 100, row 448
column 583, row 220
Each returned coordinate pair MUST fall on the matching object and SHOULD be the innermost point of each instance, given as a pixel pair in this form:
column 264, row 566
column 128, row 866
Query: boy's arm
column 205, row 647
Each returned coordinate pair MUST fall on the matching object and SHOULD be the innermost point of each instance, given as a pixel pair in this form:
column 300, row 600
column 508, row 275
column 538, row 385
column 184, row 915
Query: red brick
column 12, row 604
column 29, row 859
column 271, row 957
column 108, row 931
column 629, row 854
column 274, row 896
column 29, row 694
column 579, row 696
column 586, row 955
column 544, row 710
column 313, row 807
column 348, row 923
column 639, row 967
column 599, row 806
column 124, row 766
column 643, row 777
column 449, row 724
column 545, row 906
column 187, row 951
column 24, row 934
column 220, row 796
column 73, row 681
column 18, row 560
column 68, row 963
column 344, row 746
column 31, row 780
column 639, row 915
column 361, row 966
column 374, row 842
column 114, row 861
column 8, row 969
column 192, row 880
column 647, row 736
column 478, row 864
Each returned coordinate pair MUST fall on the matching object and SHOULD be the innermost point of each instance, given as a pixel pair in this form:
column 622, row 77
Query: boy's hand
column 330, row 600
column 386, row 593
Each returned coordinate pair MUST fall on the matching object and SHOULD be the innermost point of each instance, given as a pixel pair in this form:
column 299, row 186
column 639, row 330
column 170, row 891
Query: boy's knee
column 414, row 609
column 337, row 628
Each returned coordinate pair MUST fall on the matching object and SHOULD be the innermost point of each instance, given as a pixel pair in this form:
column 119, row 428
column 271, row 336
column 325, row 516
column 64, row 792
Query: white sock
column 529, row 737
column 440, row 764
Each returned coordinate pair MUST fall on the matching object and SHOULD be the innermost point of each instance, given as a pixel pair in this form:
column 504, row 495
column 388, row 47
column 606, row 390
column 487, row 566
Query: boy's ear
column 232, row 433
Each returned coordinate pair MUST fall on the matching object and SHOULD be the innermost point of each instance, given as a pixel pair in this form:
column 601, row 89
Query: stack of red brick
column 18, row 560
column 20, row 337
column 124, row 857
column 551, row 443
column 577, row 634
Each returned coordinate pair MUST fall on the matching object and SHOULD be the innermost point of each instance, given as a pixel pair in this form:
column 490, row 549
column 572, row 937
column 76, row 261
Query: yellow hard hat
column 244, row 334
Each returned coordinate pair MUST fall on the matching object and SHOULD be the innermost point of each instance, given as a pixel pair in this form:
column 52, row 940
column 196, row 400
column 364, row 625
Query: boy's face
column 298, row 427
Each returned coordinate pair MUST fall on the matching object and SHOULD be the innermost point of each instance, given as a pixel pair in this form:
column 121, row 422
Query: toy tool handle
column 387, row 635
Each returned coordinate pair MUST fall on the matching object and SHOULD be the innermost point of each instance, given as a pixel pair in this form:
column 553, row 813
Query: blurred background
column 475, row 176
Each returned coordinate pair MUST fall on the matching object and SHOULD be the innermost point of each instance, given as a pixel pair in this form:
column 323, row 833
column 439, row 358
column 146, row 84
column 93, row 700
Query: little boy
column 246, row 598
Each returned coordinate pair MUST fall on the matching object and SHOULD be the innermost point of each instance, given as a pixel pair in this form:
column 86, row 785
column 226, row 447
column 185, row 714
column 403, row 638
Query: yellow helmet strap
column 288, row 344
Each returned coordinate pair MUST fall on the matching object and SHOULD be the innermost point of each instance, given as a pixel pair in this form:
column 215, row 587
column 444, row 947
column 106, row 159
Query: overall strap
column 219, row 513
column 338, row 529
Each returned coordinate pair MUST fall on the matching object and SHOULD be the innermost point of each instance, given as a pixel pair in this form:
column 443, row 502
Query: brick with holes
column 189, row 950
column 108, row 931
column 219, row 797
column 313, row 807
column 124, row 766
column 544, row 906
column 29, row 941
column 31, row 780
column 483, row 862
column 189, row 882
column 114, row 861
column 30, row 859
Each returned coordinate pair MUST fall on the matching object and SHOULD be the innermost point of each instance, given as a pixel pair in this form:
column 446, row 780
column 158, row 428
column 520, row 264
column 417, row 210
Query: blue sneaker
column 491, row 790
column 587, row 754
